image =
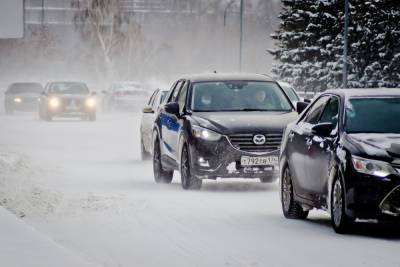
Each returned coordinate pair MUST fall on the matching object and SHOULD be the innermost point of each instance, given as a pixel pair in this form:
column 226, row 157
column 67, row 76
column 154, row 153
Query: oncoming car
column 220, row 126
column 343, row 155
column 22, row 97
column 67, row 99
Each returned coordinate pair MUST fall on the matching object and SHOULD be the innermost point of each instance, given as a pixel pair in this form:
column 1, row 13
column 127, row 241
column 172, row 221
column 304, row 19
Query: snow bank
column 18, row 192
column 21, row 245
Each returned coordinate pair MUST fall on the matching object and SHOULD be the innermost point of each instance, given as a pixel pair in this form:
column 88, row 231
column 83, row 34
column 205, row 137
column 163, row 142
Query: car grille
column 245, row 142
column 391, row 203
column 72, row 102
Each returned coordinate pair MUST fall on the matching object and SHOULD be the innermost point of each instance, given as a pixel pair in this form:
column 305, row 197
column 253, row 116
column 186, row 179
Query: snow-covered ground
column 83, row 185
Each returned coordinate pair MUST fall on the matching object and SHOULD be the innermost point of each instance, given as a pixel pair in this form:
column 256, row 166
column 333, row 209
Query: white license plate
column 259, row 161
column 72, row 108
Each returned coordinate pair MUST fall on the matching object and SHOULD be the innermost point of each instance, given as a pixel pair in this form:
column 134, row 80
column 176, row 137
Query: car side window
column 331, row 114
column 182, row 98
column 315, row 111
column 174, row 93
column 151, row 100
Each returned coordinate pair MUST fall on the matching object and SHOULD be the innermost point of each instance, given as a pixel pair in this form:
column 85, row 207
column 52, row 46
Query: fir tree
column 310, row 44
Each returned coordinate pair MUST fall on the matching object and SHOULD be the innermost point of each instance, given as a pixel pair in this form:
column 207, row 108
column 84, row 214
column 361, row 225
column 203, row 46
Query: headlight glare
column 205, row 134
column 54, row 102
column 373, row 167
column 17, row 100
column 90, row 102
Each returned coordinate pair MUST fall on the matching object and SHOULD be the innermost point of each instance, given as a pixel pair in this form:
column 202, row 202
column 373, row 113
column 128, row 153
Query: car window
column 172, row 96
column 314, row 112
column 331, row 112
column 182, row 98
column 151, row 100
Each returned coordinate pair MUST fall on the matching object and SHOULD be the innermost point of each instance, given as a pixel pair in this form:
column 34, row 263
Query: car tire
column 291, row 209
column 160, row 175
column 144, row 154
column 339, row 220
column 189, row 181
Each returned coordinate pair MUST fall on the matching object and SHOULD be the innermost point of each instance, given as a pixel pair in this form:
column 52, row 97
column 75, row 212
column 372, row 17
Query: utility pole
column 241, row 36
column 346, row 42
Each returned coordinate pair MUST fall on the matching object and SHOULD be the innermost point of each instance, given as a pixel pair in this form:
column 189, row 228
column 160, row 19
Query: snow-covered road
column 83, row 185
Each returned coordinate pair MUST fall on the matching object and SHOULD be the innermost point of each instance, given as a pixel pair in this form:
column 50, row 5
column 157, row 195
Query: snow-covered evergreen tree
column 310, row 44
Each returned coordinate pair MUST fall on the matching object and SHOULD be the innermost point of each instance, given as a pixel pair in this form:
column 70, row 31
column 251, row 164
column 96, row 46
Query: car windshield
column 238, row 96
column 373, row 115
column 20, row 88
column 290, row 92
column 69, row 88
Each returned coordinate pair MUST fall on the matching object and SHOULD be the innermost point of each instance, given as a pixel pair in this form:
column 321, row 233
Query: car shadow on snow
column 237, row 186
column 382, row 230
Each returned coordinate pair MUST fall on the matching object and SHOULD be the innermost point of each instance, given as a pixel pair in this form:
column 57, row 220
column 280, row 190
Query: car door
column 299, row 140
column 169, row 124
column 147, row 122
column 321, row 149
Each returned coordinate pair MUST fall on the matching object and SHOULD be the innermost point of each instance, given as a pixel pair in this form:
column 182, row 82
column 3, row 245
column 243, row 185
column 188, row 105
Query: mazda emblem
column 259, row 139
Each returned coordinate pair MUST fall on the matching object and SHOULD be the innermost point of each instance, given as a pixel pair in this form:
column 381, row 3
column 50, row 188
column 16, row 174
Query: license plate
column 72, row 108
column 259, row 161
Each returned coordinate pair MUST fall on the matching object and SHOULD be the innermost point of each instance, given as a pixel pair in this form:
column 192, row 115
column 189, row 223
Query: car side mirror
column 93, row 93
column 301, row 106
column 43, row 93
column 307, row 100
column 148, row 110
column 104, row 92
column 172, row 108
column 322, row 129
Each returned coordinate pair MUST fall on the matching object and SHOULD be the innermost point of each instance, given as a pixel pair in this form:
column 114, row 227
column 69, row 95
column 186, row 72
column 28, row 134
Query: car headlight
column 17, row 100
column 373, row 167
column 54, row 102
column 90, row 102
column 205, row 134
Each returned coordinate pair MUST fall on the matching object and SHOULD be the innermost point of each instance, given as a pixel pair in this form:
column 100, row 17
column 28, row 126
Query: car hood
column 244, row 122
column 376, row 145
column 24, row 95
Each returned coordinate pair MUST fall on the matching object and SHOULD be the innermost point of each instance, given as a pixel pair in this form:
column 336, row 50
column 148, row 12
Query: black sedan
column 67, row 99
column 220, row 126
column 343, row 155
column 22, row 97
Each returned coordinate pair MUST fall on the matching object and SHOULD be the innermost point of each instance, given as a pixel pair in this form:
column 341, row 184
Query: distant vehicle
column 343, row 155
column 220, row 126
column 67, row 99
column 148, row 118
column 125, row 96
column 22, row 97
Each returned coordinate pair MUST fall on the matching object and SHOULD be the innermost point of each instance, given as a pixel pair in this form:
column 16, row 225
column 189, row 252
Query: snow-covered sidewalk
column 23, row 246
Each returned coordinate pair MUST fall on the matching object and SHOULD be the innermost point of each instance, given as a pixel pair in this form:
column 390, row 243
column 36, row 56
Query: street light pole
column 241, row 35
column 346, row 42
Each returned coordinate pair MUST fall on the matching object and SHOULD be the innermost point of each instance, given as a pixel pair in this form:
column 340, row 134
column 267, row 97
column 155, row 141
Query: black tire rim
column 185, row 170
column 287, row 190
column 337, row 202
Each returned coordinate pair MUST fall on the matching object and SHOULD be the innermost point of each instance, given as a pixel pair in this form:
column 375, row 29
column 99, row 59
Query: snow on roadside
column 22, row 245
column 18, row 193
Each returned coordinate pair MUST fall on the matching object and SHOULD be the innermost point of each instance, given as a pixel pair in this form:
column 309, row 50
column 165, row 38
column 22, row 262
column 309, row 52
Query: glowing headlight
column 205, row 134
column 373, row 167
column 54, row 102
column 90, row 102
column 17, row 100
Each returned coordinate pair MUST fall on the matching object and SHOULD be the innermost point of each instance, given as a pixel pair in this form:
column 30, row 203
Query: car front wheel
column 189, row 181
column 339, row 219
column 160, row 175
column 291, row 209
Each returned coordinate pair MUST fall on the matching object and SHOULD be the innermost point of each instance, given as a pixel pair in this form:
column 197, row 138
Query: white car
column 146, row 125
column 125, row 96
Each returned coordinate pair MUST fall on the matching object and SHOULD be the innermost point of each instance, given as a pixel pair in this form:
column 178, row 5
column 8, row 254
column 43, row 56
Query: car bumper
column 62, row 112
column 371, row 197
column 211, row 160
